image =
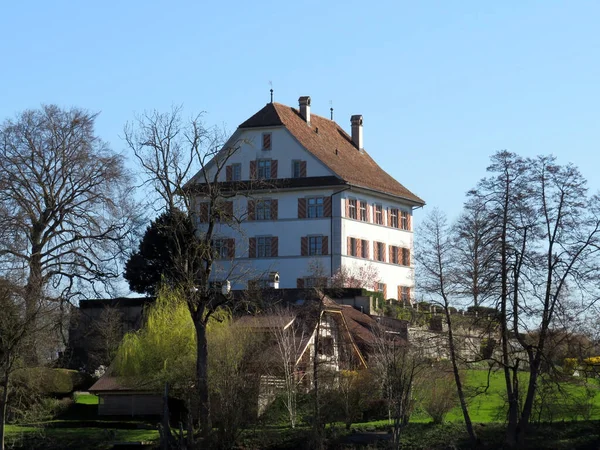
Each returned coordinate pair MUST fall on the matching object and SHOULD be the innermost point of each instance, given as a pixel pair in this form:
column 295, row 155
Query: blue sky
column 441, row 85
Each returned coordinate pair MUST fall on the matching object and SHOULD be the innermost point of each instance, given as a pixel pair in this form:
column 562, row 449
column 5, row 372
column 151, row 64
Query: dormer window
column 266, row 141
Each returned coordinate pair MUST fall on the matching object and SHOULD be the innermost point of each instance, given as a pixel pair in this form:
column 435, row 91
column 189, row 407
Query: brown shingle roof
column 332, row 146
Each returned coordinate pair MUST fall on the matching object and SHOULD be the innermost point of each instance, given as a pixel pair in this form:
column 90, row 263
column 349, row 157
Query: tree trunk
column 534, row 370
column 203, row 400
column 317, row 406
column 457, row 380
column 33, row 293
column 3, row 405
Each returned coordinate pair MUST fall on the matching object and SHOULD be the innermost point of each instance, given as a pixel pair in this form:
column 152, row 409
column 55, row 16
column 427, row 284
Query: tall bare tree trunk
column 202, row 377
column 458, row 381
column 3, row 406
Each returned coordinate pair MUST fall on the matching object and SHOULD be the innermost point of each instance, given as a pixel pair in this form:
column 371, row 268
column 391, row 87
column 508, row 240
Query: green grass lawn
column 567, row 401
column 85, row 399
column 488, row 405
column 80, row 428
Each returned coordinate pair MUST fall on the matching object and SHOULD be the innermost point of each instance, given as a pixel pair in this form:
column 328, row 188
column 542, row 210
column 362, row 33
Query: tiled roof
column 333, row 147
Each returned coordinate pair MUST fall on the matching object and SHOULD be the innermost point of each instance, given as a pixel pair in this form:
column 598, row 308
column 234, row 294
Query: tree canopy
column 155, row 260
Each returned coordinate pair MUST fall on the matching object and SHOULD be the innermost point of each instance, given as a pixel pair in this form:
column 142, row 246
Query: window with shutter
column 394, row 255
column 379, row 214
column 363, row 211
column 380, row 255
column 404, row 220
column 315, row 207
column 264, row 169
column 220, row 248
column 352, row 208
column 263, row 247
column 315, row 245
column 394, row 217
column 236, row 172
column 263, row 210
column 364, row 247
column 296, row 169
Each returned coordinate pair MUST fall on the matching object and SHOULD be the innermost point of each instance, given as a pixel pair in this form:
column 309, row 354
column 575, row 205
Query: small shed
column 115, row 399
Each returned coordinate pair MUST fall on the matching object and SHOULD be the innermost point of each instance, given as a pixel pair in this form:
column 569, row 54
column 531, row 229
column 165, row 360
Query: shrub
column 438, row 394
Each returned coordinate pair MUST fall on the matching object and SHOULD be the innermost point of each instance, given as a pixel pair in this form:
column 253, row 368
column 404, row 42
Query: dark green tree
column 154, row 261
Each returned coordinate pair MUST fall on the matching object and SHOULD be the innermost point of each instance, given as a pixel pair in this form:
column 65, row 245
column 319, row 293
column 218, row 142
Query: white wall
column 284, row 148
column 393, row 275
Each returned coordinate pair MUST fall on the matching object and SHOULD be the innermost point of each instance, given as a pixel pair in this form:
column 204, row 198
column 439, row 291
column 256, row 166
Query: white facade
column 296, row 267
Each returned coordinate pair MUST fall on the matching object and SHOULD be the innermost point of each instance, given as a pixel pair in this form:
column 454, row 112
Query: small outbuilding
column 115, row 399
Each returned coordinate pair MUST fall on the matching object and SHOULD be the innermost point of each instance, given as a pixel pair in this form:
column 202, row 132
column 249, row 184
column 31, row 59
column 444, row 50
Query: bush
column 438, row 394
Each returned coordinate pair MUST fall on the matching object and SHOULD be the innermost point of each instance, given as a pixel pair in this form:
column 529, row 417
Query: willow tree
column 163, row 352
column 169, row 151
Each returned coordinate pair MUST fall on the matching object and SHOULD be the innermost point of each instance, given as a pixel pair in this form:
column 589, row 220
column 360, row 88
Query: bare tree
column 438, row 277
column 18, row 322
column 290, row 336
column 398, row 365
column 548, row 236
column 170, row 150
column 108, row 332
column 65, row 212
column 475, row 251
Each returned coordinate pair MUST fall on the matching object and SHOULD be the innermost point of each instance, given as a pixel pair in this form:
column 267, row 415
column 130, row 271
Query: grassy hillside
column 570, row 400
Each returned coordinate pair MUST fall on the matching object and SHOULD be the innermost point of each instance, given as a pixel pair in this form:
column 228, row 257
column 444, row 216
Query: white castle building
column 313, row 203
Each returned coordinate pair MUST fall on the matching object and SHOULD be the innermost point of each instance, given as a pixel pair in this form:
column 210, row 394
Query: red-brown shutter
column 399, row 298
column 228, row 173
column 301, row 208
column 375, row 251
column 231, row 248
column 367, row 244
column 304, row 246
column 327, row 207
column 408, row 294
column 385, row 291
column 274, row 209
column 228, row 210
column 347, row 201
column 359, row 243
column 274, row 246
column 253, row 170
column 409, row 222
column 252, row 248
column 302, row 169
column 325, row 245
column 369, row 212
column 251, row 209
column 405, row 257
column 349, row 246
column 300, row 283
column 266, row 143
column 273, row 168
column 203, row 212
column 389, row 217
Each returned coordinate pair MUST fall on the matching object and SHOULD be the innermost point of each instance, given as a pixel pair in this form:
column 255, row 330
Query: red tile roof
column 332, row 146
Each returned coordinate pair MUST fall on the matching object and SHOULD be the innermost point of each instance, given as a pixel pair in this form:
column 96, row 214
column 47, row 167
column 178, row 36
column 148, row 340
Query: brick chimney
column 304, row 106
column 357, row 130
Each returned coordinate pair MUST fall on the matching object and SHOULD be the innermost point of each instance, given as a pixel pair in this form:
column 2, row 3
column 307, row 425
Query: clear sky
column 441, row 85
